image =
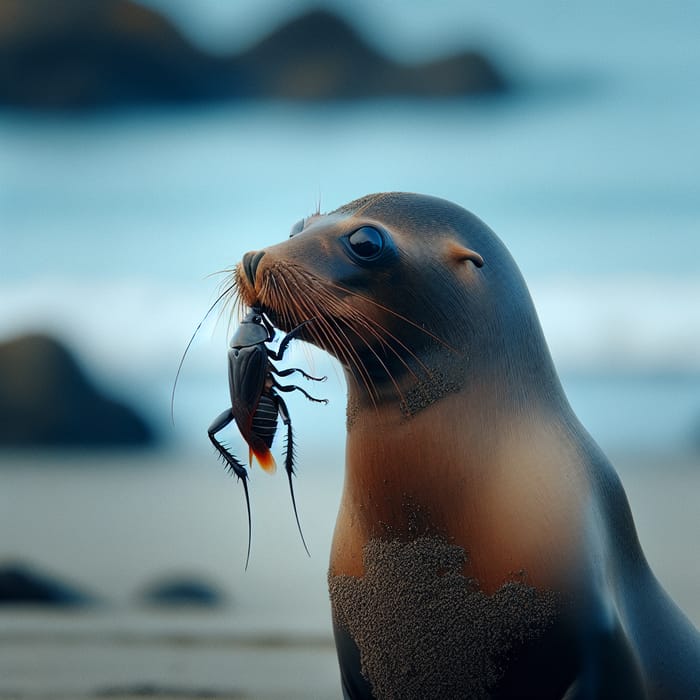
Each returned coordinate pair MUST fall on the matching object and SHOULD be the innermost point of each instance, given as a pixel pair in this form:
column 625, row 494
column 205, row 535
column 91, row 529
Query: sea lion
column 484, row 546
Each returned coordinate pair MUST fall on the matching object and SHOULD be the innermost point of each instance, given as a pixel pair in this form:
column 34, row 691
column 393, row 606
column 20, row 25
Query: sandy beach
column 112, row 524
column 115, row 528
column 97, row 656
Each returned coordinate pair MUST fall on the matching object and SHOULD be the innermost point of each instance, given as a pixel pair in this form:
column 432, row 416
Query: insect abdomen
column 265, row 420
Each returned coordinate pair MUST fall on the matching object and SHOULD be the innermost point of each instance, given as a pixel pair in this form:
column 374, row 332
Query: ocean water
column 113, row 224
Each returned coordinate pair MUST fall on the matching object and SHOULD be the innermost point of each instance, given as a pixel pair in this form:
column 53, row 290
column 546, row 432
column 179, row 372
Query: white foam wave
column 140, row 328
column 621, row 324
column 131, row 328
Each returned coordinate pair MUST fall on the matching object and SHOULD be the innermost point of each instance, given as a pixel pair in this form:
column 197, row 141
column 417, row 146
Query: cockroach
column 255, row 401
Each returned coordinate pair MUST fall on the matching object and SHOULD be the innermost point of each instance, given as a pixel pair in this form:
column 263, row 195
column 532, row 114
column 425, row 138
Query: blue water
column 111, row 224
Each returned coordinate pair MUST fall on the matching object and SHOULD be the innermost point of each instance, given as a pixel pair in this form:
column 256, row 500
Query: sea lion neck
column 448, row 472
column 520, row 376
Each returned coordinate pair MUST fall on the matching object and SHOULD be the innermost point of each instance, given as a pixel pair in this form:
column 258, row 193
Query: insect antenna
column 184, row 354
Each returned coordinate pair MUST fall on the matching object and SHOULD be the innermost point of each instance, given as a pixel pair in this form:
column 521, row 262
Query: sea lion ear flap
column 459, row 253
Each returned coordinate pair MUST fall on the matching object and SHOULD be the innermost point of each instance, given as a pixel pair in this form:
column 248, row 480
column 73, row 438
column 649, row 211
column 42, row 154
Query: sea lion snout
column 250, row 262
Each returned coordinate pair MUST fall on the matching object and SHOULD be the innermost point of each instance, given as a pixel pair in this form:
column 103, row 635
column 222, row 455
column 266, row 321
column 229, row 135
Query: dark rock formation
column 72, row 54
column 319, row 56
column 46, row 400
column 140, row 691
column 23, row 585
column 183, row 591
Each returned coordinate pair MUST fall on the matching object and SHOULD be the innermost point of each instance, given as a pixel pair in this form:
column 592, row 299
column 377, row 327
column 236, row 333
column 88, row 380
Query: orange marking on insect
column 265, row 459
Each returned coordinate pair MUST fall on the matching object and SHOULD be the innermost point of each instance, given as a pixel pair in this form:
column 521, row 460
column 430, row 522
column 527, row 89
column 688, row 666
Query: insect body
column 255, row 401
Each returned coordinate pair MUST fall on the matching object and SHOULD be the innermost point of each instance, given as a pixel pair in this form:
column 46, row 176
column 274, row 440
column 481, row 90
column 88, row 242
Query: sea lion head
column 403, row 289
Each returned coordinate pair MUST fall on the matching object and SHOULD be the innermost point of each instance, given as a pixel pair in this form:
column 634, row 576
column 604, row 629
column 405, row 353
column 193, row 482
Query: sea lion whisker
column 327, row 309
column 401, row 317
column 369, row 322
column 286, row 306
column 357, row 317
column 333, row 332
column 362, row 321
column 292, row 307
column 356, row 361
column 287, row 293
column 282, row 288
column 280, row 299
column 357, row 322
column 225, row 271
column 234, row 299
column 337, row 309
column 349, row 356
column 383, row 365
column 409, row 369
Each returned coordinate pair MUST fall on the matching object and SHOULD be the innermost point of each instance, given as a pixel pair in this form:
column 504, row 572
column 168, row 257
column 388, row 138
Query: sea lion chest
column 417, row 612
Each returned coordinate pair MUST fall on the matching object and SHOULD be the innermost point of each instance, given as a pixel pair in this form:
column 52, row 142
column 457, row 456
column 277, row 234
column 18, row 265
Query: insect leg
column 293, row 387
column 289, row 460
column 285, row 341
column 232, row 463
column 266, row 322
column 291, row 370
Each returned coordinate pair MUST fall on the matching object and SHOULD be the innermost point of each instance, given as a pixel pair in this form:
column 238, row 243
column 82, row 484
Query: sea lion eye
column 366, row 243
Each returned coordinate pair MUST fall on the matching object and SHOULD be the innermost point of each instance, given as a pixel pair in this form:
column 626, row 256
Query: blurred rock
column 46, row 400
column 75, row 54
column 22, row 585
column 141, row 691
column 320, row 56
column 183, row 591
column 57, row 54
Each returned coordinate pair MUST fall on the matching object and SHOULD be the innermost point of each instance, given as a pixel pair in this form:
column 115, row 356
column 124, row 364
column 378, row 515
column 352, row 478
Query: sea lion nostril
column 250, row 264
